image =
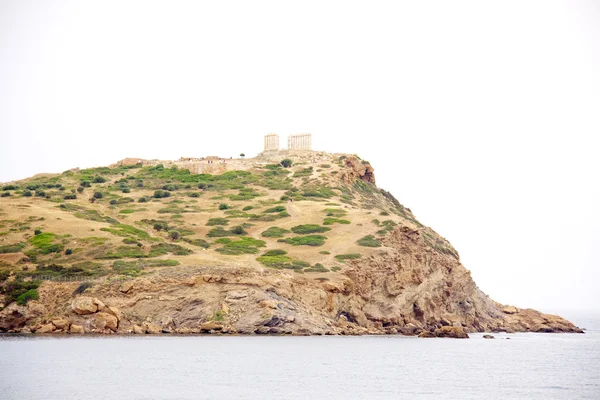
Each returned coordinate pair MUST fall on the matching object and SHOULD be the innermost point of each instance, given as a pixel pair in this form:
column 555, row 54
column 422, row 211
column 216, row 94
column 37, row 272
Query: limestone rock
column 76, row 329
column 426, row 334
column 61, row 323
column 84, row 305
column 106, row 321
column 114, row 311
column 126, row 287
column 456, row 332
column 99, row 304
column 268, row 304
column 488, row 337
column 510, row 310
column 138, row 330
column 151, row 328
column 210, row 326
column 48, row 328
column 13, row 317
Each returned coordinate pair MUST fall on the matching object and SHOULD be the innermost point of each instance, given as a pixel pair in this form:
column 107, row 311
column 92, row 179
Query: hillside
column 233, row 246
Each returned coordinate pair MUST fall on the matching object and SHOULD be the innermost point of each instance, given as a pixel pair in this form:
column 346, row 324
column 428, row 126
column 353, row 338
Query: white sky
column 482, row 117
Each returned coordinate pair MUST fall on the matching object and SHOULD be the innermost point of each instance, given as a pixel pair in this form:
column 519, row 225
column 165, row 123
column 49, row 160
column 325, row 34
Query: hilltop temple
column 300, row 141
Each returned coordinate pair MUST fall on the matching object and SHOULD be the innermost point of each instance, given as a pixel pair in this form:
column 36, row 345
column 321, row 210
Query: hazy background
column 482, row 117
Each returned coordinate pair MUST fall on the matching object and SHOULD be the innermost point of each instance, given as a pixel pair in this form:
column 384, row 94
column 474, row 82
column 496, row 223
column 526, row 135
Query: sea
column 511, row 366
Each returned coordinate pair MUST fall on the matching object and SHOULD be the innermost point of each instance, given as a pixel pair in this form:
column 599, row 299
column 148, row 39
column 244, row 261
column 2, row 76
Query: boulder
column 510, row 310
column 99, row 304
column 126, row 287
column 426, row 334
column 138, row 330
column 210, row 326
column 106, row 321
column 13, row 317
column 268, row 304
column 151, row 328
column 84, row 305
column 61, row 323
column 488, row 337
column 456, row 332
column 76, row 329
column 48, row 328
column 114, row 311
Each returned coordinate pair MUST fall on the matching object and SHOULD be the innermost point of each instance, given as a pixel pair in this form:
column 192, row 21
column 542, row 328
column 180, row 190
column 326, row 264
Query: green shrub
column 165, row 248
column 334, row 212
column 37, row 232
column 275, row 232
column 247, row 208
column 220, row 232
column 223, row 206
column 217, row 221
column 125, row 190
column 27, row 193
column 335, row 268
column 143, row 199
column 68, row 252
column 159, row 194
column 278, row 259
column 309, row 240
column 70, row 197
column 324, row 252
column 303, row 172
column 331, row 221
column 98, row 195
column 14, row 290
column 369, row 241
column 12, row 248
column 276, row 209
column 174, row 235
column 31, row 294
column 80, row 189
column 318, row 267
column 198, row 242
column 384, row 213
column 5, row 194
column 286, row 163
column 44, row 242
column 4, row 274
column 99, row 179
column 350, row 256
column 309, row 228
column 275, row 252
column 243, row 245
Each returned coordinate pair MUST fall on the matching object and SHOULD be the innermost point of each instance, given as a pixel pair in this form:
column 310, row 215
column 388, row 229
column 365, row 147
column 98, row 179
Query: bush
column 80, row 189
column 14, row 290
column 70, row 197
column 243, row 245
column 310, row 240
column 98, row 195
column 198, row 242
column 27, row 193
column 40, row 193
column 68, row 252
column 318, row 267
column 276, row 209
column 223, row 206
column 309, row 228
column 31, row 294
column 331, row 221
column 247, row 208
column 350, row 256
column 5, row 194
column 112, row 202
column 286, row 163
column 143, row 199
column 275, row 232
column 125, row 190
column 85, row 184
column 44, row 242
column 37, row 232
column 11, row 248
column 158, row 194
column 217, row 221
column 174, row 235
column 369, row 241
column 278, row 259
column 99, row 179
column 276, row 252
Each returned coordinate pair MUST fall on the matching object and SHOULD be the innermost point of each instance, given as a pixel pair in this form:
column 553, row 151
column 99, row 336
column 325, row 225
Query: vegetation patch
column 220, row 232
column 20, row 291
column 318, row 267
column 278, row 259
column 369, row 241
column 269, row 217
column 309, row 228
column 309, row 240
column 124, row 230
column 276, row 209
column 245, row 194
column 331, row 221
column 12, row 248
column 275, row 232
column 44, row 242
column 217, row 221
column 350, row 256
column 197, row 242
column 243, row 245
column 334, row 212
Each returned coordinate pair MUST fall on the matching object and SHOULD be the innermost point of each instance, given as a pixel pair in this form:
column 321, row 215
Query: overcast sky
column 482, row 117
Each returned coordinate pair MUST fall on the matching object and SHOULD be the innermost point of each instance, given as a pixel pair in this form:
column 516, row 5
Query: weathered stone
column 106, row 321
column 152, row 329
column 76, row 329
column 426, row 334
column 210, row 326
column 510, row 310
column 13, row 317
column 456, row 332
column 268, row 304
column 48, row 328
column 138, row 330
column 126, row 287
column 114, row 311
column 61, row 323
column 101, row 306
column 488, row 337
column 84, row 305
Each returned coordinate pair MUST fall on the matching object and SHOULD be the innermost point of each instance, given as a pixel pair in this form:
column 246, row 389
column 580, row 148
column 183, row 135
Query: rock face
column 84, row 305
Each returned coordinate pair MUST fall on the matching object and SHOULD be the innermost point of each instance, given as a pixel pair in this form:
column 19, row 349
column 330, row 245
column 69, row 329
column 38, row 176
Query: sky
column 482, row 117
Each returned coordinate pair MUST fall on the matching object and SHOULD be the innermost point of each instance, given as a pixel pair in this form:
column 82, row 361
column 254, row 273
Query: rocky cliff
column 372, row 268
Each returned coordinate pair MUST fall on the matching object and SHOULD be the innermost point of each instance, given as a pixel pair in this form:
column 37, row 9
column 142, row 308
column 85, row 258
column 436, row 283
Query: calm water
column 529, row 366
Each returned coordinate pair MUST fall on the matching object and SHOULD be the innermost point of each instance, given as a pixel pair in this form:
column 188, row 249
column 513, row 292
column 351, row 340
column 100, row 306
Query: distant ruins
column 300, row 141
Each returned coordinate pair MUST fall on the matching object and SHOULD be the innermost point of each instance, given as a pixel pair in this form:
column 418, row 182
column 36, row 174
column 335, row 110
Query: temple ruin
column 300, row 141
column 272, row 142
